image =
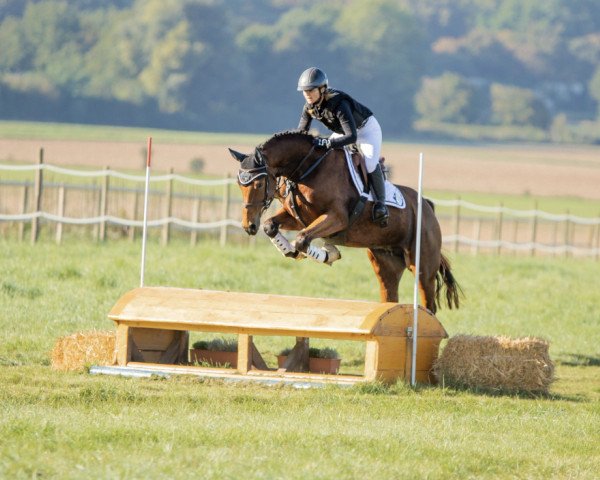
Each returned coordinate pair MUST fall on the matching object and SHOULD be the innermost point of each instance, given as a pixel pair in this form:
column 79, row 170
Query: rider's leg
column 369, row 141
column 380, row 211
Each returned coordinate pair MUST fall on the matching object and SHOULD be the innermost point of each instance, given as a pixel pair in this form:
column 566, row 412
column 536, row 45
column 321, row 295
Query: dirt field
column 545, row 170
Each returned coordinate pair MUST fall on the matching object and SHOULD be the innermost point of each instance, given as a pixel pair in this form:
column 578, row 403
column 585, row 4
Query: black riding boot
column 380, row 211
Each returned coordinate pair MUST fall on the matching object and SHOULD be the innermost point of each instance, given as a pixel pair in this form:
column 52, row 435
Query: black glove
column 322, row 142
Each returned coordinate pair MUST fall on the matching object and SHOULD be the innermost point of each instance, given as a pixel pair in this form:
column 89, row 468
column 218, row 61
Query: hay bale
column 499, row 364
column 75, row 352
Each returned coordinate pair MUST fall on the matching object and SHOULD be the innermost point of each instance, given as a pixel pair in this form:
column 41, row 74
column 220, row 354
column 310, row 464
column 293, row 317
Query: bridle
column 248, row 176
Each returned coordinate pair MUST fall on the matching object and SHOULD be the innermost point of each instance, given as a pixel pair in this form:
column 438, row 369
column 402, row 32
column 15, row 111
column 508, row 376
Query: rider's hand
column 322, row 142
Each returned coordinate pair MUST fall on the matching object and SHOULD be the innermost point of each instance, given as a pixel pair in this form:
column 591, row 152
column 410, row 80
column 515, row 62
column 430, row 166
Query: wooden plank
column 235, row 310
column 245, row 346
column 155, row 297
column 152, row 339
column 265, row 330
column 385, row 359
column 60, row 212
column 37, row 198
column 396, row 322
column 260, row 375
column 122, row 351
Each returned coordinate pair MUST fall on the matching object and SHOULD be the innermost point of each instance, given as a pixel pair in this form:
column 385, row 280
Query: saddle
column 358, row 160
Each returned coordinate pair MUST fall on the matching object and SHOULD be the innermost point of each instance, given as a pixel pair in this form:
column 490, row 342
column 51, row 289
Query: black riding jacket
column 340, row 113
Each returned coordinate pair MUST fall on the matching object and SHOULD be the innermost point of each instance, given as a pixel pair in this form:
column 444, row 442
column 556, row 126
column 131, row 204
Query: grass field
column 107, row 133
column 75, row 425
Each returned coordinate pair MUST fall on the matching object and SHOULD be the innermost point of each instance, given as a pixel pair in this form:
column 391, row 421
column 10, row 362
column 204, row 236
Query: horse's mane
column 287, row 134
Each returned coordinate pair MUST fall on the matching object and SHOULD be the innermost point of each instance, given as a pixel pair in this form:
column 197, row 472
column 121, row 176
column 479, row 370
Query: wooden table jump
column 149, row 319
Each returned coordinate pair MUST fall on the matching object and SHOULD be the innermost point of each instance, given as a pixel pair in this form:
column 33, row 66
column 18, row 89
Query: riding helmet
column 312, row 77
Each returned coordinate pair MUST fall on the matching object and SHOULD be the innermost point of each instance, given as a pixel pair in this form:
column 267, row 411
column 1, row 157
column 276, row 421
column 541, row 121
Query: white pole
column 148, row 161
column 413, row 371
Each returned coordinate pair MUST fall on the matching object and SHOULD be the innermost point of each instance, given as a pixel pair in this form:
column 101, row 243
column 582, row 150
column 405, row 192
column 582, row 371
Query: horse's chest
column 302, row 204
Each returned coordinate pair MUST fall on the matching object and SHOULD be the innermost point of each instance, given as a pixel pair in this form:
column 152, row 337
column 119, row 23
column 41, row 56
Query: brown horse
column 318, row 198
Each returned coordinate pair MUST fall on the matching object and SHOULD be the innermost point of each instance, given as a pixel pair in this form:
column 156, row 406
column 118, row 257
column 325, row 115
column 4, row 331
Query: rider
column 351, row 122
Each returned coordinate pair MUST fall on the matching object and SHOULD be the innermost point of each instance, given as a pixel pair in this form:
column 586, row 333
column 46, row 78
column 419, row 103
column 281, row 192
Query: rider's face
column 312, row 96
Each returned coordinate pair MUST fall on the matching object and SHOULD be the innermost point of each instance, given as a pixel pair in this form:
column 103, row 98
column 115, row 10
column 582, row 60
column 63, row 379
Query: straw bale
column 75, row 352
column 499, row 364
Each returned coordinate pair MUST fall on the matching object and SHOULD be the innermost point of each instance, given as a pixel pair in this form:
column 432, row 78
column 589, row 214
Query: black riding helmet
column 312, row 78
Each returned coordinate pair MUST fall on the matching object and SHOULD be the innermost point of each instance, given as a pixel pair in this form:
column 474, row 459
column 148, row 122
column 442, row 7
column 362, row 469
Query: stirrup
column 382, row 216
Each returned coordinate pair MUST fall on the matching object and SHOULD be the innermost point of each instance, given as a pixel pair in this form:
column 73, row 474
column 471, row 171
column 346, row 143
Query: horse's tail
column 445, row 278
column 431, row 204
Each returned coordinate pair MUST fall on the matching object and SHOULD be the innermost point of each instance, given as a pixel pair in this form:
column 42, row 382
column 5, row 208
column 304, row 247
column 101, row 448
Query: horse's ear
column 240, row 157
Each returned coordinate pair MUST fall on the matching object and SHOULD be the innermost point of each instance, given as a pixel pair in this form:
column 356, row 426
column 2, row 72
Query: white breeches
column 368, row 139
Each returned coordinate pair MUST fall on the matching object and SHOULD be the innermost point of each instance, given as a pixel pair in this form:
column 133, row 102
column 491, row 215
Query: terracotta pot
column 329, row 366
column 214, row 357
column 281, row 360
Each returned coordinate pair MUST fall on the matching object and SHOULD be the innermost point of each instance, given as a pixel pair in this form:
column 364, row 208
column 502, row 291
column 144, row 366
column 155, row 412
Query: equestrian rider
column 351, row 122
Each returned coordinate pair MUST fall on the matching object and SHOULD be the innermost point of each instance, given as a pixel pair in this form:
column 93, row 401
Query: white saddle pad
column 393, row 196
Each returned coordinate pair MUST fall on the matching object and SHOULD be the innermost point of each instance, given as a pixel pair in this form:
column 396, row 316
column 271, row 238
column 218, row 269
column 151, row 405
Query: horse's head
column 257, row 186
column 276, row 157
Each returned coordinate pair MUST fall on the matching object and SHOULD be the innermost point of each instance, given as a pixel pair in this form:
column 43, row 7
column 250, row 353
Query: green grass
column 76, row 425
column 66, row 131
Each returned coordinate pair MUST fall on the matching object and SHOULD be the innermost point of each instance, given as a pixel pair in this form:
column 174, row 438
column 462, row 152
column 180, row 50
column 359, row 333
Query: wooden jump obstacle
column 153, row 325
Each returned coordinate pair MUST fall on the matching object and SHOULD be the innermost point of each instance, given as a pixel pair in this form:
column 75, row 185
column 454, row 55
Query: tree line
column 232, row 65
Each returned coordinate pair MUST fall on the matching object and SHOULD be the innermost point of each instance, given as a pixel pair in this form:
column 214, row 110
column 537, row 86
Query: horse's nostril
column 252, row 229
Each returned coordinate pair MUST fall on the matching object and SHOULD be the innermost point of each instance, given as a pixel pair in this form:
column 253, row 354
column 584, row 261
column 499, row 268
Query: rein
column 245, row 177
column 311, row 168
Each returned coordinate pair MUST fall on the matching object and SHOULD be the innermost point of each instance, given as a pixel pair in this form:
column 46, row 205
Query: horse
column 319, row 200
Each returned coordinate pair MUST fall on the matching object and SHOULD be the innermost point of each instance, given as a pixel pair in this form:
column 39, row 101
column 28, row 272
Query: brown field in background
column 539, row 170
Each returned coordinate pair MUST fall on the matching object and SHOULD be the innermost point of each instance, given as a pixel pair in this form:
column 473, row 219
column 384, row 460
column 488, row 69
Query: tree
column 449, row 98
column 386, row 53
column 594, row 89
column 517, row 106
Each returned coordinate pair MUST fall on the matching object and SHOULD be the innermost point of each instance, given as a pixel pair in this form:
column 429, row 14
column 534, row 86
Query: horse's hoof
column 298, row 255
column 333, row 254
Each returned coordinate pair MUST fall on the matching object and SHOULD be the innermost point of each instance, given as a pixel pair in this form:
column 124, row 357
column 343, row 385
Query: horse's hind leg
column 427, row 290
column 388, row 267
column 427, row 281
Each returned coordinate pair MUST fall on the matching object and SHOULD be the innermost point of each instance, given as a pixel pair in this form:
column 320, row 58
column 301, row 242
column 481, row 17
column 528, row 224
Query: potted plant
column 320, row 360
column 219, row 352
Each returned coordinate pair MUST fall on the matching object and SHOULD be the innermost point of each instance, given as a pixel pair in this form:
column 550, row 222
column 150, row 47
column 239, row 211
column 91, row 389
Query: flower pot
column 329, row 366
column 281, row 360
column 216, row 358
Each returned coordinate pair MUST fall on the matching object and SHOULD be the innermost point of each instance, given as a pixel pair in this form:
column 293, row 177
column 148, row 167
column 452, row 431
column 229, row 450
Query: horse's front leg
column 282, row 219
column 324, row 226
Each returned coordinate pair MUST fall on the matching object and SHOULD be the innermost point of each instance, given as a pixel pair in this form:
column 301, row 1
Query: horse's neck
column 288, row 160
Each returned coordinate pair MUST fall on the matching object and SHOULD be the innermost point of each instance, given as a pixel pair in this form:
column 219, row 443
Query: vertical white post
column 145, row 226
column 413, row 372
